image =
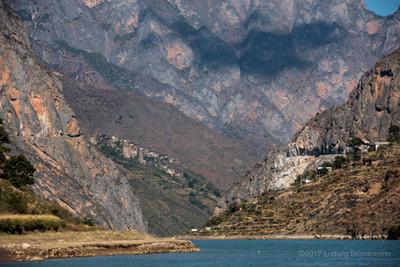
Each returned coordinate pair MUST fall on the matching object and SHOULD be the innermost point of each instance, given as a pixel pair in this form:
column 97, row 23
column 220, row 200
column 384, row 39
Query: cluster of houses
column 364, row 148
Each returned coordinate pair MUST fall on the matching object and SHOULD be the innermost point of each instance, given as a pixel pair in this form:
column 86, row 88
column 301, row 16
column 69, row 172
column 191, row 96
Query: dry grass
column 72, row 238
column 20, row 223
column 359, row 200
column 38, row 246
column 24, row 217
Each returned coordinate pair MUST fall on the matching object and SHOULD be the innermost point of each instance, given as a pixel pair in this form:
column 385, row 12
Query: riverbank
column 51, row 245
column 274, row 237
column 5, row 256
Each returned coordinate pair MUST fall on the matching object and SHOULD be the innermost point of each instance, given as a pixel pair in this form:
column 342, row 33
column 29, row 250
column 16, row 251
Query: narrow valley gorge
column 207, row 118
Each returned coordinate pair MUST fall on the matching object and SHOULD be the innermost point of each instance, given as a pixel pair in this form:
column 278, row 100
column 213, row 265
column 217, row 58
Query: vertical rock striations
column 372, row 108
column 69, row 169
column 254, row 69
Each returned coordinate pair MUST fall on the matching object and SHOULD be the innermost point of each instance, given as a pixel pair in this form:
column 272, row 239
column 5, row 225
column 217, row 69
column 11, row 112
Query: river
column 243, row 253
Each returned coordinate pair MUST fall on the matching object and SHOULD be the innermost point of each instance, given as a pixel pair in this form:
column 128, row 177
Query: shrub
column 340, row 162
column 394, row 233
column 354, row 142
column 352, row 231
column 250, row 207
column 3, row 136
column 394, row 134
column 323, row 172
column 232, row 208
column 327, row 164
column 2, row 155
column 89, row 221
column 11, row 200
column 307, row 175
column 215, row 220
column 17, row 224
column 216, row 192
column 19, row 171
column 355, row 155
column 194, row 201
column 210, row 187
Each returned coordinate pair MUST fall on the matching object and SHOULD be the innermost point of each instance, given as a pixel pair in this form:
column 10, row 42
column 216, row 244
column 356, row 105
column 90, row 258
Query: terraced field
column 358, row 201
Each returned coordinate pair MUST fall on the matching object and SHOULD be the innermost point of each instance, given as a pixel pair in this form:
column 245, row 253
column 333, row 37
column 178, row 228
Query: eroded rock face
column 277, row 171
column 92, row 3
column 253, row 69
column 371, row 109
column 69, row 169
column 179, row 56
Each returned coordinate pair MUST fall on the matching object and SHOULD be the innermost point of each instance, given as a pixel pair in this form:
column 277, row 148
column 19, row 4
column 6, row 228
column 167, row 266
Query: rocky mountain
column 373, row 107
column 358, row 201
column 104, row 110
column 69, row 170
column 251, row 70
column 114, row 182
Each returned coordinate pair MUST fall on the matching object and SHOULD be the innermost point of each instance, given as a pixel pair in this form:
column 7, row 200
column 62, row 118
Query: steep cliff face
column 69, row 169
column 371, row 109
column 275, row 172
column 255, row 70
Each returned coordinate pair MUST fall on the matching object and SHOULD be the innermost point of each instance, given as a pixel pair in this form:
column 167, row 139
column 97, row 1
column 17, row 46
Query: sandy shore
column 40, row 246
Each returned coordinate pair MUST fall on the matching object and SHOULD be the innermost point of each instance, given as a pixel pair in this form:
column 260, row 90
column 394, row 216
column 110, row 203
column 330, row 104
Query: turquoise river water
column 243, row 253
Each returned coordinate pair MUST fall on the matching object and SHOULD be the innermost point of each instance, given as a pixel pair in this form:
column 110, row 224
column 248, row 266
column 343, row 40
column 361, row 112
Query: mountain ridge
column 367, row 116
column 252, row 70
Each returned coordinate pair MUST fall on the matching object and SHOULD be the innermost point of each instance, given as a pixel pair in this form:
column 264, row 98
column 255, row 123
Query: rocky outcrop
column 358, row 202
column 371, row 109
column 69, row 170
column 251, row 70
column 277, row 171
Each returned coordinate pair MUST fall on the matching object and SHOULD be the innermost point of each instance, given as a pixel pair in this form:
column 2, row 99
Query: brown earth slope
column 173, row 197
column 160, row 127
column 358, row 201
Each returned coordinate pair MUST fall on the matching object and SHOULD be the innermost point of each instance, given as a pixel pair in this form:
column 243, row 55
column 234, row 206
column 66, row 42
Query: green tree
column 354, row 142
column 327, row 164
column 324, row 171
column 355, row 154
column 3, row 136
column 19, row 171
column 307, row 175
column 394, row 134
column 340, row 162
column 3, row 140
column 233, row 207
